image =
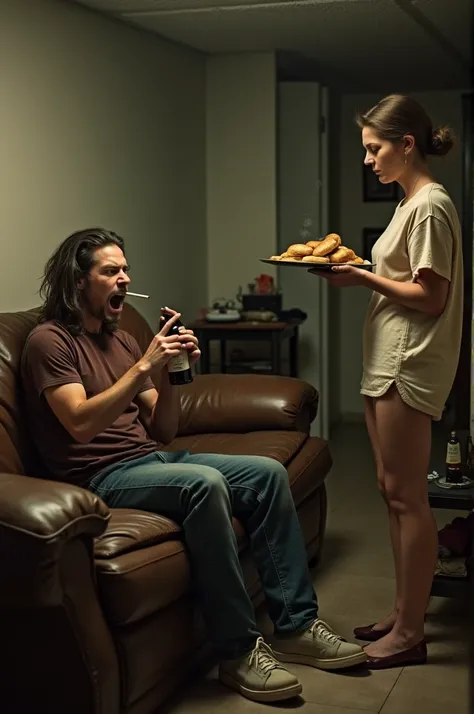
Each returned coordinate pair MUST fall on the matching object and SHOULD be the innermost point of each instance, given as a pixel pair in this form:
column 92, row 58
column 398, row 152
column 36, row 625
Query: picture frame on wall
column 374, row 190
column 369, row 237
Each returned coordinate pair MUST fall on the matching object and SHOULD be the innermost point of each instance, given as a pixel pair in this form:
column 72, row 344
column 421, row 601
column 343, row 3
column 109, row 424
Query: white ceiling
column 358, row 45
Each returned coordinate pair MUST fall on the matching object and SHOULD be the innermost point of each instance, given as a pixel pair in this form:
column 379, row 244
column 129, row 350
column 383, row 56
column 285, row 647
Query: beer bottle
column 179, row 371
column 453, row 460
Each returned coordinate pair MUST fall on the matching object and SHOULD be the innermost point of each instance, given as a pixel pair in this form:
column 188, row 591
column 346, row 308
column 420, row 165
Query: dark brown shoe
column 415, row 655
column 368, row 633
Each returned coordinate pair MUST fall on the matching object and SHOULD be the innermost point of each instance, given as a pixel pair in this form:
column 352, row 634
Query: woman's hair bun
column 442, row 141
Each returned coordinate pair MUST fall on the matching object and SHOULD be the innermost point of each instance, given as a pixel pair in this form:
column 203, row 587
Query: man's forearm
column 96, row 414
column 165, row 419
column 411, row 295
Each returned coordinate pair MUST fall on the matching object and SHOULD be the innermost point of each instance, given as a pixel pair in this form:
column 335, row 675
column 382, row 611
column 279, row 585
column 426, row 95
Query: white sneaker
column 259, row 676
column 318, row 646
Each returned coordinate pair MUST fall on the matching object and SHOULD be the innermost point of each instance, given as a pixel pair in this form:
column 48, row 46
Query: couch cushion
column 130, row 529
column 279, row 445
column 309, row 468
column 137, row 584
column 141, row 564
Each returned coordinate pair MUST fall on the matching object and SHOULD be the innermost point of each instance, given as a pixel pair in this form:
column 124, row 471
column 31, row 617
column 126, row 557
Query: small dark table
column 274, row 332
column 461, row 499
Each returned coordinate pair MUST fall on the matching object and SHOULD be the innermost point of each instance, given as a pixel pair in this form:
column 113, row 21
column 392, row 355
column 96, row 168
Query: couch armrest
column 216, row 403
column 37, row 519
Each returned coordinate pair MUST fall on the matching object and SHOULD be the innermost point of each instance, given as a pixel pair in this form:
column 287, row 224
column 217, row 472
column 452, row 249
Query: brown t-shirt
column 53, row 357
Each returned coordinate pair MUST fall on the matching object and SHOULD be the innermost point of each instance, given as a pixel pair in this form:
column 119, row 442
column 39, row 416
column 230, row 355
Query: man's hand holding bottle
column 174, row 346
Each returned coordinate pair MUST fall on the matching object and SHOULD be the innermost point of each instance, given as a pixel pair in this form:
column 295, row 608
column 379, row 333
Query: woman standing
column 411, row 345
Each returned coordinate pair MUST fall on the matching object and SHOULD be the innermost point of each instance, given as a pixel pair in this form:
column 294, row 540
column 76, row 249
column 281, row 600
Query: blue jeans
column 202, row 492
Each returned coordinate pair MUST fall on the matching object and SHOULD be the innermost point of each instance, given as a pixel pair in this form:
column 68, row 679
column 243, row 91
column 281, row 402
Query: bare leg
column 389, row 621
column 404, row 437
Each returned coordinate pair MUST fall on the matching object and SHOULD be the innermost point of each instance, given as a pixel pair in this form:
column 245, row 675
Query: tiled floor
column 355, row 586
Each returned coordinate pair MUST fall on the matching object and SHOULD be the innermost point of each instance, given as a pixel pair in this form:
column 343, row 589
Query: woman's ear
column 408, row 143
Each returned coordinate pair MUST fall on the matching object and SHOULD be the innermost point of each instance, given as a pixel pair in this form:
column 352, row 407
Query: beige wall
column 100, row 125
column 443, row 107
column 241, row 169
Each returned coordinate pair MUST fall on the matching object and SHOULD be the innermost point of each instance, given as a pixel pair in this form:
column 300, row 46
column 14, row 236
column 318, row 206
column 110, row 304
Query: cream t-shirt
column 417, row 352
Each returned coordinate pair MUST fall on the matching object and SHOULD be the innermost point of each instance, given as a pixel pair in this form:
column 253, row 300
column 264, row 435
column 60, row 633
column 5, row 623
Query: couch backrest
column 17, row 454
column 14, row 439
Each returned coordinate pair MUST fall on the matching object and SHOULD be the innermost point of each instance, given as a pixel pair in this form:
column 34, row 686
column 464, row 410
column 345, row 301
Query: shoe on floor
column 259, row 676
column 367, row 633
column 415, row 655
column 318, row 646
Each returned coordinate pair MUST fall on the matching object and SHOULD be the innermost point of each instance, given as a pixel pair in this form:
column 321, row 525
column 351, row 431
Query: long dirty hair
column 396, row 116
column 71, row 261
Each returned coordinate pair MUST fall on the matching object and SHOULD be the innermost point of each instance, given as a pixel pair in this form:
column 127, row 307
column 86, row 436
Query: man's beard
column 109, row 323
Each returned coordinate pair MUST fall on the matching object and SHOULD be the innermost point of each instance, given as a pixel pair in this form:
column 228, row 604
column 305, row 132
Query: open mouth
column 116, row 302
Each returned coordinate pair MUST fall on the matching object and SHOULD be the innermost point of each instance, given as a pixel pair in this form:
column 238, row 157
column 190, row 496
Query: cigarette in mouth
column 140, row 295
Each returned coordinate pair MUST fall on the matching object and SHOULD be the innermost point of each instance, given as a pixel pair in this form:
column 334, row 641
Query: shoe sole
column 328, row 664
column 278, row 695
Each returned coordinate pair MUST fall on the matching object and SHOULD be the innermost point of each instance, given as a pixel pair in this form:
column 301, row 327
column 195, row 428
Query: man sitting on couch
column 98, row 409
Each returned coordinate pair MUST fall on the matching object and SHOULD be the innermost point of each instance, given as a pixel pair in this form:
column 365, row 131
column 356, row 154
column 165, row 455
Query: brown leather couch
column 97, row 612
